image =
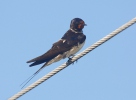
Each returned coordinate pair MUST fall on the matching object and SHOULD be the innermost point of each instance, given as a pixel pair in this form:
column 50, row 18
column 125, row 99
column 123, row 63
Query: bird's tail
column 30, row 78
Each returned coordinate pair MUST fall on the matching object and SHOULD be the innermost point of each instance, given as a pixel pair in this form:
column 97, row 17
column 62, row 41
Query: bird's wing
column 58, row 48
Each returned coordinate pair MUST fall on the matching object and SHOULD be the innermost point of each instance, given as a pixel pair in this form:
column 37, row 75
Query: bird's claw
column 69, row 60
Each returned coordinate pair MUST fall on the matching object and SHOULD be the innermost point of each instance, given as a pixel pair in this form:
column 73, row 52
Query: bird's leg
column 70, row 58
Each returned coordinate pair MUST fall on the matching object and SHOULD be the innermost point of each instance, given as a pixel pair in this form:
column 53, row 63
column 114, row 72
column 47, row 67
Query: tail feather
column 36, row 63
column 32, row 60
column 26, row 81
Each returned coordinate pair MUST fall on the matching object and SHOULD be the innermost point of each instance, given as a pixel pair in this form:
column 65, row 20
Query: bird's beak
column 85, row 24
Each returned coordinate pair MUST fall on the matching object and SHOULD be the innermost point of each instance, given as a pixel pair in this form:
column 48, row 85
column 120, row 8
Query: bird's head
column 77, row 24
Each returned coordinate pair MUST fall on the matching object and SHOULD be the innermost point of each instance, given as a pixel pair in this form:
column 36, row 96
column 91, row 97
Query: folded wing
column 58, row 48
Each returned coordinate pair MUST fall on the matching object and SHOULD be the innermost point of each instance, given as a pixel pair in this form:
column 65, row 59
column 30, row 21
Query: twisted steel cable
column 78, row 56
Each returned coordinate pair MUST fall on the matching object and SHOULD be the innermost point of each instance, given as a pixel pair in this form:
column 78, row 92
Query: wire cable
column 75, row 58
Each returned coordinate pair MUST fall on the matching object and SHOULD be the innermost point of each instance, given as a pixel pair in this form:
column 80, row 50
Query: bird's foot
column 69, row 60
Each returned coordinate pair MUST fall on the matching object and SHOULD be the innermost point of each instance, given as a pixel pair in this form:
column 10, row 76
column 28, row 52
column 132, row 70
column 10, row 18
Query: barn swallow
column 71, row 42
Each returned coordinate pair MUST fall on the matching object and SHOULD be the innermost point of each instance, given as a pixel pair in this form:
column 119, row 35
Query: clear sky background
column 28, row 28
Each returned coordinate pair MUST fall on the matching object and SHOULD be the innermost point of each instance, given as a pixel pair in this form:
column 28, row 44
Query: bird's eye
column 81, row 22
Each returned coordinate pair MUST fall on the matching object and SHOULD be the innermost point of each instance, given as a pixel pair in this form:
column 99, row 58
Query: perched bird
column 72, row 41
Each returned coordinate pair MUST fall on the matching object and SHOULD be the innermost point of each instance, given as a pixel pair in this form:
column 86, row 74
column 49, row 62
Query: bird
column 70, row 43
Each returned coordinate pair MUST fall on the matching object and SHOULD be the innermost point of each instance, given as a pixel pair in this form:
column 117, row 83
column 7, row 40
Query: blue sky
column 28, row 29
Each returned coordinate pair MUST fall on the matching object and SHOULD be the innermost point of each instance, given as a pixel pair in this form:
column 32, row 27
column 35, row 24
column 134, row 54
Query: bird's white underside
column 69, row 53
